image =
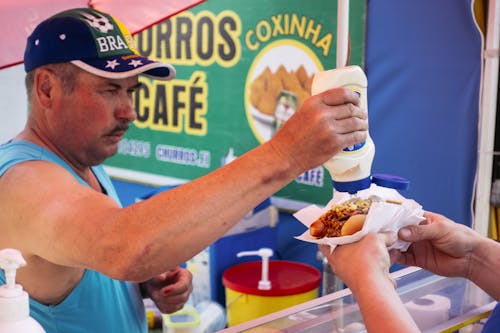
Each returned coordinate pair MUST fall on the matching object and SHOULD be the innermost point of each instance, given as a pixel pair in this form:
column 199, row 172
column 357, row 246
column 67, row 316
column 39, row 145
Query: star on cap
column 135, row 63
column 112, row 64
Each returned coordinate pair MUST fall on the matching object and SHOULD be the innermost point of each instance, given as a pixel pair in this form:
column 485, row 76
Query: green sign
column 242, row 69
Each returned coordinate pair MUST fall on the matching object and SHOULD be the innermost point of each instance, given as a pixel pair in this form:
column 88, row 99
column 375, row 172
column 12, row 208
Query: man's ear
column 44, row 86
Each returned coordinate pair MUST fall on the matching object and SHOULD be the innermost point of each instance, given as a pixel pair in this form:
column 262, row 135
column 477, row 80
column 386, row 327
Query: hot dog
column 345, row 218
column 331, row 223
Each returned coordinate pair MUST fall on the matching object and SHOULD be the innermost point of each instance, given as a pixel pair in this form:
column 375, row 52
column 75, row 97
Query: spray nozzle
column 265, row 254
column 10, row 261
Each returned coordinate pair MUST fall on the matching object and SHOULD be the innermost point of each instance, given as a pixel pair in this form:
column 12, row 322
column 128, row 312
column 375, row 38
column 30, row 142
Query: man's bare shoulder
column 29, row 182
column 43, row 205
column 27, row 192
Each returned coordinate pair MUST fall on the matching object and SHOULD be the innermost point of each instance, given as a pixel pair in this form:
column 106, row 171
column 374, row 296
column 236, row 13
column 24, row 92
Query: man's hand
column 170, row 290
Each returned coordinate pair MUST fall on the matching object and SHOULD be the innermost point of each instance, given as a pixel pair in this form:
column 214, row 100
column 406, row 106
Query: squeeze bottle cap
column 391, row 181
column 265, row 254
column 352, row 187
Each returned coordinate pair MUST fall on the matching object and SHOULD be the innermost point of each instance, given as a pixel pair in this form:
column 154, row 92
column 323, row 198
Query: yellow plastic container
column 292, row 283
column 185, row 320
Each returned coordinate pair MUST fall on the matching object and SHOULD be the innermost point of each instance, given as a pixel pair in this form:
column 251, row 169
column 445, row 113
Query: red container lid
column 287, row 278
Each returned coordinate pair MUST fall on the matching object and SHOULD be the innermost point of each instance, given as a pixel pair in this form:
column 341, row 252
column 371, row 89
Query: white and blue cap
column 391, row 181
column 94, row 41
column 380, row 179
column 352, row 186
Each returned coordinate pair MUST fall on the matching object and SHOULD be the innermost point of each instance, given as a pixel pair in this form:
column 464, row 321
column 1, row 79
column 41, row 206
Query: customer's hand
column 364, row 267
column 439, row 245
column 358, row 263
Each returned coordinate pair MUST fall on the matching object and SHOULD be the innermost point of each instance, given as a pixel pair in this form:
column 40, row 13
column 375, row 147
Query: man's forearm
column 485, row 267
column 382, row 308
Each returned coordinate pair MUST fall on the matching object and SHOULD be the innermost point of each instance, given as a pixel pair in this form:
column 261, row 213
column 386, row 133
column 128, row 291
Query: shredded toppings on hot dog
column 334, row 219
column 331, row 222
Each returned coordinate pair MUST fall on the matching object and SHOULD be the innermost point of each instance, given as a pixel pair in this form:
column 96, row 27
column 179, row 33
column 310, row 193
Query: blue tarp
column 423, row 63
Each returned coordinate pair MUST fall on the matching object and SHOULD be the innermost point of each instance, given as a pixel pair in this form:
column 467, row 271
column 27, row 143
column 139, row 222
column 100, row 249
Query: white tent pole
column 487, row 119
column 342, row 32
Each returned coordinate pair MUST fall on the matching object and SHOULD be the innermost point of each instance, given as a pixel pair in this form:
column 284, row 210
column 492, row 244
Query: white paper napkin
column 382, row 216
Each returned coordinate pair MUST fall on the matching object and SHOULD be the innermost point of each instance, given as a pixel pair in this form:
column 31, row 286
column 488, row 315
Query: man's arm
column 50, row 215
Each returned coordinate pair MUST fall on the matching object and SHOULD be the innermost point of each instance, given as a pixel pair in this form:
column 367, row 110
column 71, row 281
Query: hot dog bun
column 353, row 224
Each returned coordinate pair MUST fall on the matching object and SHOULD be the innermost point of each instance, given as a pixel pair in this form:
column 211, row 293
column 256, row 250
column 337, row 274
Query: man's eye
column 112, row 91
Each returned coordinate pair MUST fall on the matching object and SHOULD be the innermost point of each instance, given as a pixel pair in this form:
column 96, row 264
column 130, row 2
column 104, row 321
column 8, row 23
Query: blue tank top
column 98, row 304
column 493, row 323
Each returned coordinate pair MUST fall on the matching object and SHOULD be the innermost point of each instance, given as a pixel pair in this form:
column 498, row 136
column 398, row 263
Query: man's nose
column 126, row 111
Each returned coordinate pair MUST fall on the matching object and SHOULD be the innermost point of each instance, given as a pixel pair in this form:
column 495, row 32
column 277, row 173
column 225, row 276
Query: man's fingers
column 339, row 96
column 348, row 111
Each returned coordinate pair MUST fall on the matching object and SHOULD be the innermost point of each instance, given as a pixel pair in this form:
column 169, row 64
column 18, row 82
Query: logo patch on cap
column 109, row 37
column 101, row 22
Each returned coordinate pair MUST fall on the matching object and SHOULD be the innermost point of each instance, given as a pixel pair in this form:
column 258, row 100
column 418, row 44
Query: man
column 439, row 245
column 60, row 209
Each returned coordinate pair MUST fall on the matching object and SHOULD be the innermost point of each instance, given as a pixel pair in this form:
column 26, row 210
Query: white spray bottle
column 14, row 301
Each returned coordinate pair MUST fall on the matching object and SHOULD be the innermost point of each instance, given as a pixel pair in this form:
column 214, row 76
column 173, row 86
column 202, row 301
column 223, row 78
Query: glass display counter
column 437, row 304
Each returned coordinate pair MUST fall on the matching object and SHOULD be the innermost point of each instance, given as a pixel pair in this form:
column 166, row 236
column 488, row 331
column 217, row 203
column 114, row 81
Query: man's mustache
column 119, row 128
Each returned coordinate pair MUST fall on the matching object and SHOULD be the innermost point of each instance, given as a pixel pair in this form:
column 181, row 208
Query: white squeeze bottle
column 14, row 301
column 350, row 169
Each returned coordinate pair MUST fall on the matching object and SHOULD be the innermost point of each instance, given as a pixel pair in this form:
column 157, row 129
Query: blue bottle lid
column 353, row 186
column 391, row 181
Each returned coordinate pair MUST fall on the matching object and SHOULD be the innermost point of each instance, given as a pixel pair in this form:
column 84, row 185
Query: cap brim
column 121, row 68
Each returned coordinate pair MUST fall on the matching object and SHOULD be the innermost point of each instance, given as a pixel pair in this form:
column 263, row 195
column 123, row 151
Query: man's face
column 89, row 122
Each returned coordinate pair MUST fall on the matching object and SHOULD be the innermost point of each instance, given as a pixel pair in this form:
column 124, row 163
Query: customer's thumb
column 409, row 233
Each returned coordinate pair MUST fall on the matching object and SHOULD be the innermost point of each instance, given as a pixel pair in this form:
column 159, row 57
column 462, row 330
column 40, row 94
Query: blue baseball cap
column 94, row 41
